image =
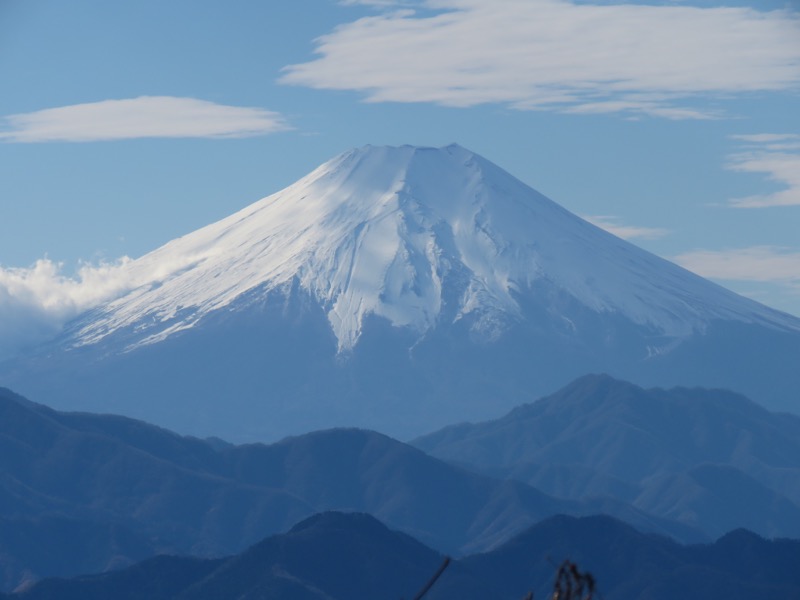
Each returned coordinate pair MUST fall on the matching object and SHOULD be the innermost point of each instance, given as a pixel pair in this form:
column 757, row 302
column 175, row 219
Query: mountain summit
column 397, row 288
column 418, row 236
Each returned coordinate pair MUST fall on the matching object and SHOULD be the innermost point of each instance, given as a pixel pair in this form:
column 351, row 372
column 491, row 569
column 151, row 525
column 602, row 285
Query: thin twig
column 433, row 579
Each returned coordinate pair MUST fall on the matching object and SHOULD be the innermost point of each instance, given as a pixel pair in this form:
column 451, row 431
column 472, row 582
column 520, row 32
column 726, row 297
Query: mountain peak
column 398, row 289
column 417, row 236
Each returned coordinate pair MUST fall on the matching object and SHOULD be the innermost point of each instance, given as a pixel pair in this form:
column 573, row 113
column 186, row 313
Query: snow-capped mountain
column 423, row 251
column 392, row 232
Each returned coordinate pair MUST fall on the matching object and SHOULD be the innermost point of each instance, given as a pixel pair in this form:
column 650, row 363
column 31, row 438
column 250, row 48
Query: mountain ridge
column 134, row 489
column 696, row 455
column 307, row 563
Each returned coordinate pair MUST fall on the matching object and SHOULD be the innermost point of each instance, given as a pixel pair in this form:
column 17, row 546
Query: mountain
column 82, row 492
column 305, row 563
column 708, row 458
column 398, row 289
column 58, row 546
column 127, row 489
column 308, row 563
column 628, row 565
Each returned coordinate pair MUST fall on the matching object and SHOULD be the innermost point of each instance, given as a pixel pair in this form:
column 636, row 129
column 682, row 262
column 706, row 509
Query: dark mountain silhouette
column 188, row 496
column 63, row 546
column 329, row 555
column 337, row 556
column 708, row 458
column 629, row 565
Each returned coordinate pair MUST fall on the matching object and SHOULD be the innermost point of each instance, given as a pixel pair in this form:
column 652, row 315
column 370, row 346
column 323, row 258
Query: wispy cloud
column 776, row 155
column 626, row 232
column 143, row 117
column 772, row 139
column 370, row 2
column 559, row 55
column 756, row 263
column 646, row 107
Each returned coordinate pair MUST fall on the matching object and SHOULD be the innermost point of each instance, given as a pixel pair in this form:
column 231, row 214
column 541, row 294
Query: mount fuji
column 401, row 289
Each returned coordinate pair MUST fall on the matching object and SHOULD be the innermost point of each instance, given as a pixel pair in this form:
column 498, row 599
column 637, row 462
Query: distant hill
column 708, row 458
column 129, row 490
column 336, row 556
column 629, row 565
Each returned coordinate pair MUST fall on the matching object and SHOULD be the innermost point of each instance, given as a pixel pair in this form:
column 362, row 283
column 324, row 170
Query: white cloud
column 768, row 138
column 559, row 55
column 35, row 302
column 767, row 274
column 650, row 108
column 778, row 157
column 143, row 117
column 626, row 232
column 756, row 263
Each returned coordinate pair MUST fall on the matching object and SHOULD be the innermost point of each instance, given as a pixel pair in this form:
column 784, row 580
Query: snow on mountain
column 418, row 236
column 398, row 289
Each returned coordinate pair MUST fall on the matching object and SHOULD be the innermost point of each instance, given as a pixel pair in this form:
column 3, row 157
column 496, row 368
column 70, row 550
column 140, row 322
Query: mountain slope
column 398, row 289
column 628, row 565
column 305, row 563
column 308, row 563
column 130, row 490
column 392, row 232
column 706, row 457
column 57, row 546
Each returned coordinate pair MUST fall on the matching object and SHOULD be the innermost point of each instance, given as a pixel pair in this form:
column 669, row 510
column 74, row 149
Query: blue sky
column 124, row 125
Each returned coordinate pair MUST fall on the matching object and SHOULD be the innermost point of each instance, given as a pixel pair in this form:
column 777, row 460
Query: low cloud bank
column 37, row 301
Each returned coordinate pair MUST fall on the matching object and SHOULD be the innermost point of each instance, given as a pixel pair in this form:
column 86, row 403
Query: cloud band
column 558, row 55
column 142, row 117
